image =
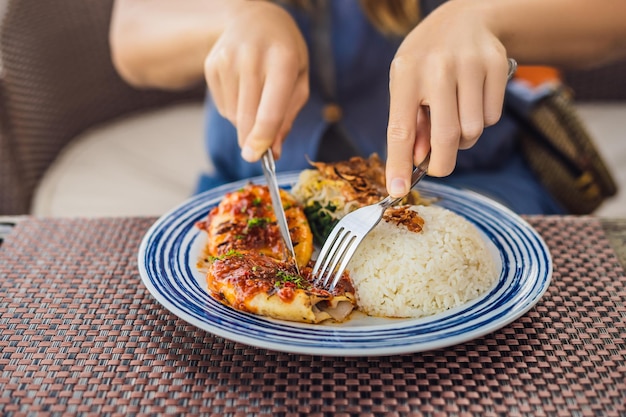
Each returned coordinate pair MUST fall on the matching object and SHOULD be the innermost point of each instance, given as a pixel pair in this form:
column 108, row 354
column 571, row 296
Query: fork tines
column 339, row 242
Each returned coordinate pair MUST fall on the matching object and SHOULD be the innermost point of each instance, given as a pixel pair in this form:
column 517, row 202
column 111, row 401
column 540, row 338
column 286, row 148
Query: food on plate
column 329, row 191
column 244, row 221
column 418, row 261
column 249, row 268
column 266, row 286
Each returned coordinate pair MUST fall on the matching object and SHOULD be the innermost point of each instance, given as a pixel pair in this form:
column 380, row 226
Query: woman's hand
column 257, row 73
column 447, row 83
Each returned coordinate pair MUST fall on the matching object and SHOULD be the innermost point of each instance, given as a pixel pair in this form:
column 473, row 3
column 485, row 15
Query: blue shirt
column 362, row 57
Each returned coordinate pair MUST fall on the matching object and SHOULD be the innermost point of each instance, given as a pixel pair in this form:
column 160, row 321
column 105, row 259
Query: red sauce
column 253, row 225
column 245, row 251
column 249, row 274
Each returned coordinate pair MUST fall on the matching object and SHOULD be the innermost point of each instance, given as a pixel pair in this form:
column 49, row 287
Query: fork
column 348, row 234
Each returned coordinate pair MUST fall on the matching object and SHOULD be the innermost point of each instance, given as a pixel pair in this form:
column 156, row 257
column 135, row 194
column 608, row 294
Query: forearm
column 163, row 43
column 569, row 33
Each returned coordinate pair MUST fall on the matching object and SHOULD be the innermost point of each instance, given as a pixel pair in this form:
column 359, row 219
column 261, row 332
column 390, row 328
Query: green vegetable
column 320, row 220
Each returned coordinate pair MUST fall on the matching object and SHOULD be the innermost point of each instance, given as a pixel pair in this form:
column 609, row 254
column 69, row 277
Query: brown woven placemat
column 80, row 334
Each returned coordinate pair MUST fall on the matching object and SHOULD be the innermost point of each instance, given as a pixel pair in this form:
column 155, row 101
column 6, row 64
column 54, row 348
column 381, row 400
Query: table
column 80, row 334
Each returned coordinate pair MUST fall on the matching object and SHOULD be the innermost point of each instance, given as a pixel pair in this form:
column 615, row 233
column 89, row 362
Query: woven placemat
column 80, row 334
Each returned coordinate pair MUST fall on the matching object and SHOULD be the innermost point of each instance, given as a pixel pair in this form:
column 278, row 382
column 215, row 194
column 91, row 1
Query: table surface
column 80, row 334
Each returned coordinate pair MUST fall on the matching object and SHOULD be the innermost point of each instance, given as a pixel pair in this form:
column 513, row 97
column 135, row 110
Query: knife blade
column 269, row 170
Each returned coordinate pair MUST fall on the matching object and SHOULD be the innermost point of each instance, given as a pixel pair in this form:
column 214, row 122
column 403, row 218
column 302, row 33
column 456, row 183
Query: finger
column 250, row 87
column 298, row 100
column 470, row 103
column 212, row 78
column 276, row 94
column 401, row 131
column 422, row 135
column 445, row 129
column 229, row 85
column 494, row 90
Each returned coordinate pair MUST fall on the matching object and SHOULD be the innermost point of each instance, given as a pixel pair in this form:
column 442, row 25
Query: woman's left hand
column 447, row 83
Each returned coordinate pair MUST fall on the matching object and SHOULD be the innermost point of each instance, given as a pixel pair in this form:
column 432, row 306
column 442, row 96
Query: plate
column 170, row 249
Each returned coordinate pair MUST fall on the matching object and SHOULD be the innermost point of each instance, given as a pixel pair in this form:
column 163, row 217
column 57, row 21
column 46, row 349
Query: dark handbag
column 561, row 152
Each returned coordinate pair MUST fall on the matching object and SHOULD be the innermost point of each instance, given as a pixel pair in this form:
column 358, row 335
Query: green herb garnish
column 297, row 280
column 230, row 253
column 259, row 221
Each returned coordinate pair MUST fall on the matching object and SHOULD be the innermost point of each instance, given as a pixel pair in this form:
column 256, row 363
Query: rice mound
column 399, row 273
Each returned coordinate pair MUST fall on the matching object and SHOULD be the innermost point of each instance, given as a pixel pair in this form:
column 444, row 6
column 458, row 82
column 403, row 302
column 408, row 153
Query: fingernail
column 398, row 187
column 248, row 154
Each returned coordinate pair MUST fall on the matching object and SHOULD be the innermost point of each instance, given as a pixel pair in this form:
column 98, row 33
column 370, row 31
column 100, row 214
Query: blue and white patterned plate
column 171, row 248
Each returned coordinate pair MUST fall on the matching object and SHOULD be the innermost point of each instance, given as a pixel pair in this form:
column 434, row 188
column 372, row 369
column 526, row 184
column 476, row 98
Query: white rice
column 399, row 273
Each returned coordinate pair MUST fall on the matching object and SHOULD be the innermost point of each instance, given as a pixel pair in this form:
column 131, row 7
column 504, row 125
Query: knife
column 269, row 170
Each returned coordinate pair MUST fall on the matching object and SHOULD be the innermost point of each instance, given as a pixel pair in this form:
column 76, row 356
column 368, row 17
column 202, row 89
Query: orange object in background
column 537, row 75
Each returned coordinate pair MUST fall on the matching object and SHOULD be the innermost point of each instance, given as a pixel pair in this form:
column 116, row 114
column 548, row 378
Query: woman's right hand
column 257, row 73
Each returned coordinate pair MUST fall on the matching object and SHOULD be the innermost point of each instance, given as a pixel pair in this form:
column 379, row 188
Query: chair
column 57, row 81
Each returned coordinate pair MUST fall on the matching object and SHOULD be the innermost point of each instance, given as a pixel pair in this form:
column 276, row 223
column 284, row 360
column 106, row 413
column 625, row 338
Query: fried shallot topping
column 364, row 179
column 403, row 215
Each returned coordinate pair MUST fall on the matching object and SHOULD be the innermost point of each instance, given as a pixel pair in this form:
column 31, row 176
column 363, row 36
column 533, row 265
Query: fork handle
column 418, row 173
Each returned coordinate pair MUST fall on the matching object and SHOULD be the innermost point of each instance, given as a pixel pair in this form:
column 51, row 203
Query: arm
column 567, row 33
column 448, row 78
column 163, row 43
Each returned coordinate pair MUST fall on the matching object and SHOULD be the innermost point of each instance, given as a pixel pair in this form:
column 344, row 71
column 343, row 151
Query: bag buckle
column 586, row 184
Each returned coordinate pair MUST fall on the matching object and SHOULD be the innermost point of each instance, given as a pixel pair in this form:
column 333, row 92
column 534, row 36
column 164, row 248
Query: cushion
column 141, row 165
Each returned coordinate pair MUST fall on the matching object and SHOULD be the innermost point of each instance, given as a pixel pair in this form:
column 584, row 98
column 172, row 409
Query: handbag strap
column 562, row 153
